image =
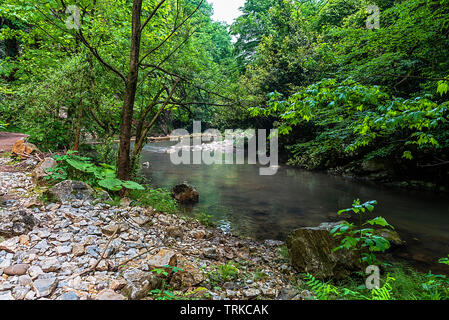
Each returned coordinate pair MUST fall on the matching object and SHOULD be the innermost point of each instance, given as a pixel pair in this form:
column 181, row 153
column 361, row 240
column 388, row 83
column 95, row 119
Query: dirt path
column 7, row 140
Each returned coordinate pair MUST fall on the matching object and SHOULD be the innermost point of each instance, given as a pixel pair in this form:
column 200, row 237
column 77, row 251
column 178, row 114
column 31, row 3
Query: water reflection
column 269, row 207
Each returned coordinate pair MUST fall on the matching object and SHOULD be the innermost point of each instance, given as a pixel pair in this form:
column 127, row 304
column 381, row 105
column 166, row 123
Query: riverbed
column 269, row 207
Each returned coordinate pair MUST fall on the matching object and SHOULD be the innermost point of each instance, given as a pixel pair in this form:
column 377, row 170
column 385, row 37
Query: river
column 269, row 207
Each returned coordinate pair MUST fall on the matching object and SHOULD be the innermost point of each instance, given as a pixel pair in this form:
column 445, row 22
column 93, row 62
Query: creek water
column 269, row 207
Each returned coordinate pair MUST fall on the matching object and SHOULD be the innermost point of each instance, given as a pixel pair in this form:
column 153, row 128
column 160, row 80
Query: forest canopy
column 339, row 91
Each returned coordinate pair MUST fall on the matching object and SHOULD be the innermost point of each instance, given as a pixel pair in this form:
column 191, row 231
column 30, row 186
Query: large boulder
column 70, row 190
column 40, row 172
column 185, row 193
column 310, row 250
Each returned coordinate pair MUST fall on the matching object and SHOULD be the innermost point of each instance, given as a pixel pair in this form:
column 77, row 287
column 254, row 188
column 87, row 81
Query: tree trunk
column 76, row 145
column 123, row 163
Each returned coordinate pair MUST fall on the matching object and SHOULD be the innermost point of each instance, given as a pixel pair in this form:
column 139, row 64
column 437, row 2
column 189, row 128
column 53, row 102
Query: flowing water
column 269, row 207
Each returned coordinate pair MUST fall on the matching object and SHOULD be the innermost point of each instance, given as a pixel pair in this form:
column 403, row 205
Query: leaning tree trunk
column 123, row 163
column 76, row 145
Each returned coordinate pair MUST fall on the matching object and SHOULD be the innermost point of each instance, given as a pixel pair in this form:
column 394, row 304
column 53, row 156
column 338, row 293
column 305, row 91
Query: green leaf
column 132, row 185
column 112, row 184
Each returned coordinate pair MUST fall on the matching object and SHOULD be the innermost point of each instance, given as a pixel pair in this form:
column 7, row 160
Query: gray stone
column 251, row 293
column 108, row 294
column 50, row 264
column 69, row 190
column 6, row 296
column 68, row 296
column 139, row 283
column 210, row 253
column 44, row 287
column 16, row 223
column 93, row 251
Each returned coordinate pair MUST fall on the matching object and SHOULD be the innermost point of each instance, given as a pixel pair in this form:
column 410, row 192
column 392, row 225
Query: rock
column 6, row 296
column 25, row 280
column 210, row 253
column 391, row 235
column 35, row 271
column 306, row 295
column 9, row 245
column 45, row 287
column 16, row 223
column 40, row 172
column 78, row 249
column 94, row 230
column 184, row 193
column 273, row 243
column 50, row 264
column 110, row 229
column 287, row 293
column 5, row 286
column 140, row 283
column 68, row 296
column 108, row 294
column 189, row 277
column 24, row 239
column 198, row 234
column 70, row 190
column 93, row 251
column 269, row 292
column 375, row 165
column 175, row 232
column 117, row 284
column 163, row 258
column 20, row 292
column 16, row 270
column 21, row 148
column 310, row 250
column 62, row 250
column 251, row 293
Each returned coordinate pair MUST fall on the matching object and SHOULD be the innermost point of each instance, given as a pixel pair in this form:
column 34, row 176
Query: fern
column 322, row 290
column 383, row 293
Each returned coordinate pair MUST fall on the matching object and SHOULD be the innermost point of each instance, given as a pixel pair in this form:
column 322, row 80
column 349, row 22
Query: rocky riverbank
column 87, row 249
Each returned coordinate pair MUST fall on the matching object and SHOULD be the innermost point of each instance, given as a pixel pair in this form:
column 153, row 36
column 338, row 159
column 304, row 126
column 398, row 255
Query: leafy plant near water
column 73, row 166
column 160, row 199
column 360, row 238
column 205, row 219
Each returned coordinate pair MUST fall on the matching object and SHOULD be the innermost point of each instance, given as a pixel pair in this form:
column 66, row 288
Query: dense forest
column 356, row 88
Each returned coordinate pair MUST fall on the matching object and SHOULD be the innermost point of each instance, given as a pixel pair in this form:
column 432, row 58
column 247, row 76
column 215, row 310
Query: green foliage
column 3, row 125
column 158, row 198
column 322, row 290
column 224, row 273
column 75, row 167
column 206, row 220
column 359, row 238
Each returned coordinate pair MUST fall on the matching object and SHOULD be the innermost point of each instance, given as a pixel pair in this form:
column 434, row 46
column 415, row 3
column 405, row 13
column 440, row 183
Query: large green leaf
column 132, row 185
column 112, row 184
